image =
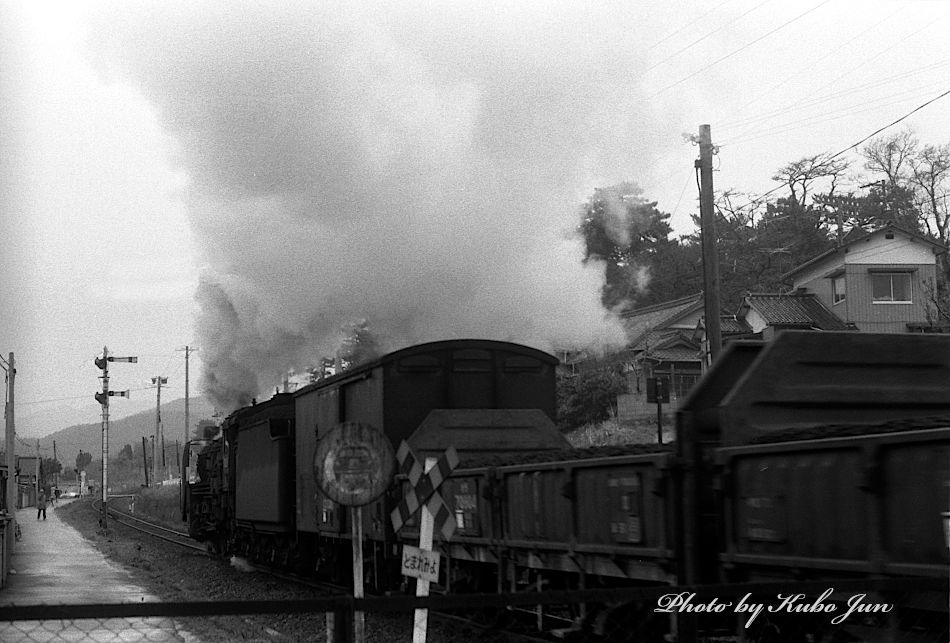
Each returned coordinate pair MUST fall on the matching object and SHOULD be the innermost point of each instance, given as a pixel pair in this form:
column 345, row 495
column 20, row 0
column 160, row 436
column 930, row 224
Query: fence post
column 340, row 625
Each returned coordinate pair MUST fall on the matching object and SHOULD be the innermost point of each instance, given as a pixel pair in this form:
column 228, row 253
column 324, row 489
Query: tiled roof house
column 766, row 313
column 662, row 344
column 878, row 281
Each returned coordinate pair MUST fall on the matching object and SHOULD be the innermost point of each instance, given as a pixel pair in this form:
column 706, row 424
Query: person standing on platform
column 41, row 505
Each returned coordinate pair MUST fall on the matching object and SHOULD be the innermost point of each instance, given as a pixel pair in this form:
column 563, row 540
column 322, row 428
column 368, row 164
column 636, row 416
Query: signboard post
column 353, row 465
column 658, row 391
column 423, row 563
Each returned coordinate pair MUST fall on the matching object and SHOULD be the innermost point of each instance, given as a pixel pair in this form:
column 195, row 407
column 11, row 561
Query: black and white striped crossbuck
column 424, row 489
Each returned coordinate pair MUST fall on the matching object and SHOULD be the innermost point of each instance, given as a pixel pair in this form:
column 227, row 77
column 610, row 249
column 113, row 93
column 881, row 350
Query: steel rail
column 179, row 538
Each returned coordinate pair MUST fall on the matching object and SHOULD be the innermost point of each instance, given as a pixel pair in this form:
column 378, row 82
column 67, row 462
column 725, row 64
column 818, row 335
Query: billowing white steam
column 418, row 167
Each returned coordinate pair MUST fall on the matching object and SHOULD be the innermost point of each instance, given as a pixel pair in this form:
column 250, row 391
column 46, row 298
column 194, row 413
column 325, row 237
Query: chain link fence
column 894, row 610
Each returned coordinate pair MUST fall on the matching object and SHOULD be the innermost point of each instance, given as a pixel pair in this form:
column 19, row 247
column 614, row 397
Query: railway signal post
column 103, row 399
column 353, row 465
column 423, row 563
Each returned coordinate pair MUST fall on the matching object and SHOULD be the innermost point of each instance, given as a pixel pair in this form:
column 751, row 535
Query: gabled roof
column 794, row 310
column 854, row 236
column 728, row 325
column 670, row 344
column 674, row 354
column 659, row 316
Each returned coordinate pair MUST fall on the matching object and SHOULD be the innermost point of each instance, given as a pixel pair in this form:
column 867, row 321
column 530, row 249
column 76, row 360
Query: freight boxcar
column 479, row 396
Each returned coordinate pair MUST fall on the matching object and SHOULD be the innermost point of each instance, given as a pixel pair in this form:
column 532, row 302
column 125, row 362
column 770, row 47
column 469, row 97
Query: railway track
column 155, row 530
column 182, row 539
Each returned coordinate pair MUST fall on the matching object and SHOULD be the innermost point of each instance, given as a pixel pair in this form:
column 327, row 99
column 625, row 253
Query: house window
column 837, row 289
column 891, row 287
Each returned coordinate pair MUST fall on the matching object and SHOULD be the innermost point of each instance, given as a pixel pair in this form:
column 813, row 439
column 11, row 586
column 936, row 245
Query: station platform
column 53, row 564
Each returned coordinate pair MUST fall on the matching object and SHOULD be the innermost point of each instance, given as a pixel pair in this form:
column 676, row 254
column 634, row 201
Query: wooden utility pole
column 11, row 457
column 158, row 380
column 145, row 458
column 710, row 245
column 188, row 351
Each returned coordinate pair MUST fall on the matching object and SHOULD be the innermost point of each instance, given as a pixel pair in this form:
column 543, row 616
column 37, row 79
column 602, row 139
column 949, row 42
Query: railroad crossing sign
column 424, row 489
column 421, row 562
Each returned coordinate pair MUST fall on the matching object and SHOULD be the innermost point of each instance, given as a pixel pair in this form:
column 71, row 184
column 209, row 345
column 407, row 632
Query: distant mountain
column 30, row 423
column 127, row 430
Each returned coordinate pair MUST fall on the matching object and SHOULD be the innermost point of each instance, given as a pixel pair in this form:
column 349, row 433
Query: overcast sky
column 246, row 177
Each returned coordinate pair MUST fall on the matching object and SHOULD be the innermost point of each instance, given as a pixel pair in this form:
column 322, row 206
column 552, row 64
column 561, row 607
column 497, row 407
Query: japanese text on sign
column 420, row 563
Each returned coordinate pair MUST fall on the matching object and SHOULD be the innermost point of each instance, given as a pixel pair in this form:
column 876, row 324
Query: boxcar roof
column 430, row 347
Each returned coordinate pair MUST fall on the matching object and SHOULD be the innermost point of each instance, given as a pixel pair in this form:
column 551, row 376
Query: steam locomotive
column 813, row 456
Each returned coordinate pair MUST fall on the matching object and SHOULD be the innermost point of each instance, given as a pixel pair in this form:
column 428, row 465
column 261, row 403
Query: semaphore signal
column 103, row 399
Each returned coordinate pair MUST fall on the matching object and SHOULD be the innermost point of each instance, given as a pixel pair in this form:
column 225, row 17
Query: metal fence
column 911, row 610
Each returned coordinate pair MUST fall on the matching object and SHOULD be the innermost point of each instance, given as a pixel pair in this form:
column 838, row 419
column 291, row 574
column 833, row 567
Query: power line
column 810, row 65
column 791, row 126
column 742, row 48
column 854, row 145
column 686, row 26
column 72, row 397
column 680, row 199
column 824, row 98
column 904, row 117
column 702, row 38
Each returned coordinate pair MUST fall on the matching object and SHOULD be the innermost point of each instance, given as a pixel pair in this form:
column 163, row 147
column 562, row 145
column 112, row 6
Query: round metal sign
column 353, row 464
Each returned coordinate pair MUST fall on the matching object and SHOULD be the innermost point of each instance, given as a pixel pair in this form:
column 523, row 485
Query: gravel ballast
column 175, row 574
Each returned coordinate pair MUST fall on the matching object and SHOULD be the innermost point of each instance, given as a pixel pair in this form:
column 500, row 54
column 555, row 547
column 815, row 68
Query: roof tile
column 796, row 309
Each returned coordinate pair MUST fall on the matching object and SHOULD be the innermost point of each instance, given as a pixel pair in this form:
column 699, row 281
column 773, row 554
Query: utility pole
column 10, row 432
column 710, row 244
column 188, row 351
column 103, row 399
column 56, row 473
column 158, row 380
column 145, row 458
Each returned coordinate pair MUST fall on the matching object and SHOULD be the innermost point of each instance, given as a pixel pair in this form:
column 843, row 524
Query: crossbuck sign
column 424, row 489
column 422, row 562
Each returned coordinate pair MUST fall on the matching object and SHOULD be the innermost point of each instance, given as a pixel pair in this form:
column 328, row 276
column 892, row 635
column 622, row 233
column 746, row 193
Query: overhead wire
column 818, row 91
column 680, row 199
column 71, row 397
column 686, row 26
column 791, row 126
column 741, row 49
column 809, row 66
column 704, row 37
column 891, row 124
column 761, row 197
column 825, row 98
column 838, row 114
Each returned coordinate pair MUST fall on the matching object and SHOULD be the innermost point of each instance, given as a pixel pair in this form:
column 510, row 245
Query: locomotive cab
column 191, row 476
